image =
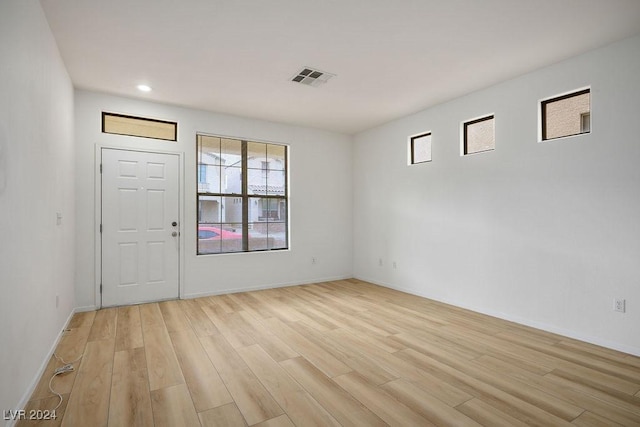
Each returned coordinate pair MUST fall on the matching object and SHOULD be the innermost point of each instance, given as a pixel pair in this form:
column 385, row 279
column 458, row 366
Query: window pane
column 231, row 237
column 257, row 181
column 257, row 208
column 258, row 237
column 276, row 183
column 277, row 211
column 256, row 154
column 267, row 209
column 479, row 135
column 209, row 238
column 216, row 238
column 209, row 209
column 277, row 232
column 209, row 145
column 208, row 164
column 567, row 115
column 276, row 156
column 263, row 235
column 421, row 148
column 231, row 152
column 232, row 180
column 208, row 179
column 139, row 126
column 231, row 209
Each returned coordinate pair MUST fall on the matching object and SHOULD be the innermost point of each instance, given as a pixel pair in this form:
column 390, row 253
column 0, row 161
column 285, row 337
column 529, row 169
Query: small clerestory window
column 566, row 115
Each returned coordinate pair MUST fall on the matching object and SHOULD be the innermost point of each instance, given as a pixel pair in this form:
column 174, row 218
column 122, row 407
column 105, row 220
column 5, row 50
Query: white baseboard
column 34, row 383
column 85, row 308
column 260, row 287
column 522, row 321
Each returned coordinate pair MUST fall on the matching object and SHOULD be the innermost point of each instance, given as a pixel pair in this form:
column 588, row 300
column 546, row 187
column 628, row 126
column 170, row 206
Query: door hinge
column 100, row 167
column 100, row 287
column 101, row 228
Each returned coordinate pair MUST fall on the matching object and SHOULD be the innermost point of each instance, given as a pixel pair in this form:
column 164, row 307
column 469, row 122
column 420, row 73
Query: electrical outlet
column 313, row 260
column 395, row 265
column 619, row 305
column 380, row 262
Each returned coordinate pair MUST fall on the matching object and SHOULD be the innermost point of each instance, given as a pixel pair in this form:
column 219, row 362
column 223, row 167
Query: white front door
column 140, row 227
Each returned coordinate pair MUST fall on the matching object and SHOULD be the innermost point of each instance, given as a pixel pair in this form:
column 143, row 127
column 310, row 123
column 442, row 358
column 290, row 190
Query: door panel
column 140, row 254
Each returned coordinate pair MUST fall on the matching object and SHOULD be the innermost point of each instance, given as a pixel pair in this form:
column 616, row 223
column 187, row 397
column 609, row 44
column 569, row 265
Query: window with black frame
column 566, row 115
column 242, row 195
column 478, row 135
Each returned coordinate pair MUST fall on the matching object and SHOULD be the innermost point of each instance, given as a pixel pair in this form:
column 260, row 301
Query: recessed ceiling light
column 144, row 88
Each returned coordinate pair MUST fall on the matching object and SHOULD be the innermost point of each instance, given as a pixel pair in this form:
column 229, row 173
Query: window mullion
column 245, row 198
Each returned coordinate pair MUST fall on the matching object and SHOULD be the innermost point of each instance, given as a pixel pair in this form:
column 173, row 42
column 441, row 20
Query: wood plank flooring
column 344, row 353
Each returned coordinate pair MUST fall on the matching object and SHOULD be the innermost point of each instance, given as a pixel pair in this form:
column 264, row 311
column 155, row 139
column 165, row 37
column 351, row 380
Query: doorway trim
column 98, row 214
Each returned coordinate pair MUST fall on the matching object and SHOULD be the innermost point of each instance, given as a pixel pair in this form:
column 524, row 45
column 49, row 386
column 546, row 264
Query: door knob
column 174, row 223
column 174, row 234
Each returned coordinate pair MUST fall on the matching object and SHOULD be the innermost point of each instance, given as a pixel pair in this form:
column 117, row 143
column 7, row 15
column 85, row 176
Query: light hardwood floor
column 329, row 354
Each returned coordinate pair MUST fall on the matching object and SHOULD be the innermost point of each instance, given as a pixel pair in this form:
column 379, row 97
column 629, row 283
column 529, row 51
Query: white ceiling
column 391, row 57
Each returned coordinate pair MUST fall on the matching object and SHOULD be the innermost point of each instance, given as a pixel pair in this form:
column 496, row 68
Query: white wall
column 320, row 198
column 545, row 234
column 36, row 182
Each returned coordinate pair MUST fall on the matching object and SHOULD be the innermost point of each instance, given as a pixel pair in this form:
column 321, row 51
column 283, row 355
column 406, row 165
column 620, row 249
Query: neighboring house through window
column 242, row 195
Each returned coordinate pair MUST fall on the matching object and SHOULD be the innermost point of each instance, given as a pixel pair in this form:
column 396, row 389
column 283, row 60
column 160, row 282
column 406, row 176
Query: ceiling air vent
column 310, row 77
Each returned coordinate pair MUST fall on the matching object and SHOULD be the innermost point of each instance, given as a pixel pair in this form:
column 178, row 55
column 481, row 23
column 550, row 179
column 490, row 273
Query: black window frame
column 245, row 196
